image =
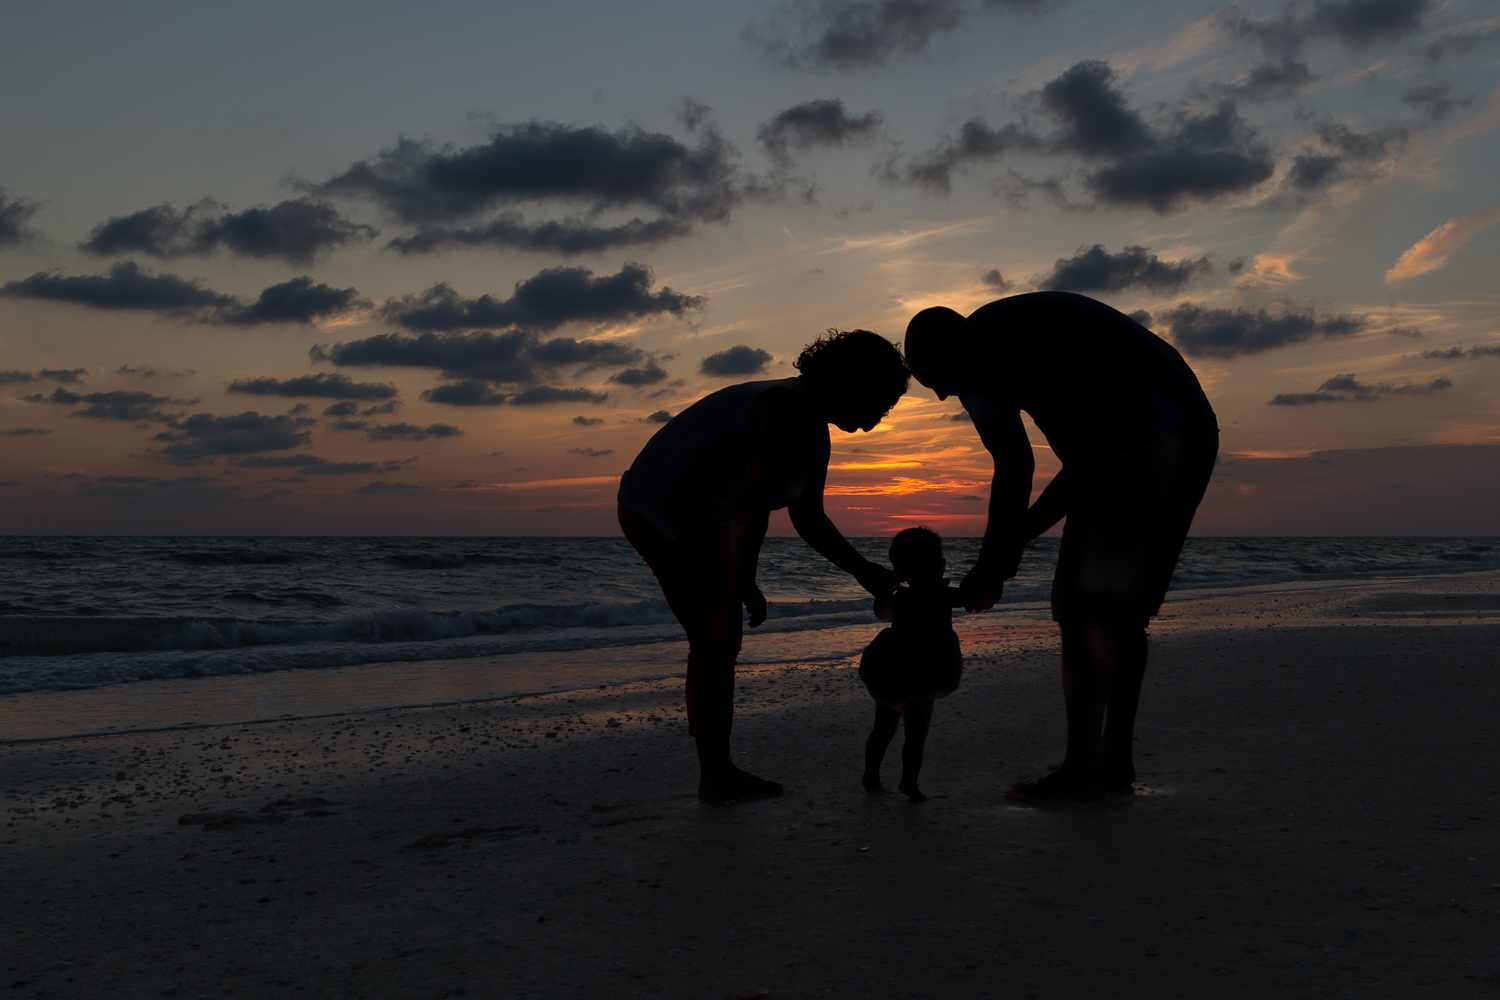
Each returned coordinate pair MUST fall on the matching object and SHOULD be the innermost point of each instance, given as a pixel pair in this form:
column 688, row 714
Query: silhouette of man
column 1137, row 439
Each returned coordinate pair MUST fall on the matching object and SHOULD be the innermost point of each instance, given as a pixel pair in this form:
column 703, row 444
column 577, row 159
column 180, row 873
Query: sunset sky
column 384, row 268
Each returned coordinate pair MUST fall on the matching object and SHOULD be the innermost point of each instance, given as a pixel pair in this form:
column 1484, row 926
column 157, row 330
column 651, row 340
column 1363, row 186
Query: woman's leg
column 876, row 744
column 917, row 715
column 697, row 577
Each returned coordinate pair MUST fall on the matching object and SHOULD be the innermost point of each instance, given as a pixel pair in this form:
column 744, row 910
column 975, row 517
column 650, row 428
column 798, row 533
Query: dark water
column 87, row 611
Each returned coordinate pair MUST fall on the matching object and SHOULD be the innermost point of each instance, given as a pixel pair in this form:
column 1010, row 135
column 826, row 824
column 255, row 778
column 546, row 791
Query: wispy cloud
column 1432, row 251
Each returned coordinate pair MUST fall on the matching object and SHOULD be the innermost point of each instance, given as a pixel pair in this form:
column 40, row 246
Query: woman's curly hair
column 856, row 364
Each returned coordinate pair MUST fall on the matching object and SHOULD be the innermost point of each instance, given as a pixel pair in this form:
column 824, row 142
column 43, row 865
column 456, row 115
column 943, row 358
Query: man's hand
column 875, row 578
column 981, row 592
column 755, row 603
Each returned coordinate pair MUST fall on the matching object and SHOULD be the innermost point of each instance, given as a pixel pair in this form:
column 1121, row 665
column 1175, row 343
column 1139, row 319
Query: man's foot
column 735, row 785
column 872, row 785
column 1057, row 786
column 911, row 791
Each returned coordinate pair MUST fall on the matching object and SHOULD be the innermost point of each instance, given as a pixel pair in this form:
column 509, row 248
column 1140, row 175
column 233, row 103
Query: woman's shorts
column 1127, row 520
column 893, row 671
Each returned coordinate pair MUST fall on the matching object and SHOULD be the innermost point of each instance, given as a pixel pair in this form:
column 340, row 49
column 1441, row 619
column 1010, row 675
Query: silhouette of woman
column 696, row 501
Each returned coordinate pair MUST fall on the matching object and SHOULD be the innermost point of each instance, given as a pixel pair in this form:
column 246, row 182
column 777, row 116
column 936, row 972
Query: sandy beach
column 1317, row 817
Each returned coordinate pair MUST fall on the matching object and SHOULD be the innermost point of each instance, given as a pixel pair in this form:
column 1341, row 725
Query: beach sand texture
column 1320, row 773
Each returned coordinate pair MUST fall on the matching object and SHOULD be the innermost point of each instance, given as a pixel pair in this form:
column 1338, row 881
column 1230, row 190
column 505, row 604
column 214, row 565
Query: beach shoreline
column 1318, row 768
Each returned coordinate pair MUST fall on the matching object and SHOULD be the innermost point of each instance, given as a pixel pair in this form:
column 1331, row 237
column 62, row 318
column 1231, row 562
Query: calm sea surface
column 82, row 612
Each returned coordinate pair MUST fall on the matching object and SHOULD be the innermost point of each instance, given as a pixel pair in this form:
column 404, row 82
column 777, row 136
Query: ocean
column 363, row 622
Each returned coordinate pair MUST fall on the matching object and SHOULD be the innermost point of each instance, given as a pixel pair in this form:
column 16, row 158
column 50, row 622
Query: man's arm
column 815, row 527
column 1050, row 507
column 1010, row 491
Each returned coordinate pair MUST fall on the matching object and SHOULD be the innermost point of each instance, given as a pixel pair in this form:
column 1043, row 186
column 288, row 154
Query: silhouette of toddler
column 914, row 661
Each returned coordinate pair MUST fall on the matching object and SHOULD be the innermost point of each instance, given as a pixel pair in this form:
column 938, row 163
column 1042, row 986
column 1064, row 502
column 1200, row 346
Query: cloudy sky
column 443, row 268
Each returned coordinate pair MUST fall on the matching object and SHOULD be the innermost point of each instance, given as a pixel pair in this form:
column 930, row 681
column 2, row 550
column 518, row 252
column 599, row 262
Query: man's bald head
column 927, row 337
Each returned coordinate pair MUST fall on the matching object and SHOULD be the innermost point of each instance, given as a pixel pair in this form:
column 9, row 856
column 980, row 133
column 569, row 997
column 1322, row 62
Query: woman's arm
column 815, row 527
column 779, row 424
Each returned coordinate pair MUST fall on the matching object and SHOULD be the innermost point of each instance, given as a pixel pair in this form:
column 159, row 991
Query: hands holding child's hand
column 980, row 591
column 754, row 601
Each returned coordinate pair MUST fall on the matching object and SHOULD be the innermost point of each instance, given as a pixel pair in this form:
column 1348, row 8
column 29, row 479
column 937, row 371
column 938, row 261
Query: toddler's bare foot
column 911, row 791
column 1058, row 786
column 735, row 784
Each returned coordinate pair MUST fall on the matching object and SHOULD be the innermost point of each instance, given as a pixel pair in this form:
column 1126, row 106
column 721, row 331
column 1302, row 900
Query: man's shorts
column 1127, row 520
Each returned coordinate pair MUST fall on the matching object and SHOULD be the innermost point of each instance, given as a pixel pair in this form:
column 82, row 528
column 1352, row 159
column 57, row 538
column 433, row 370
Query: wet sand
column 1318, row 817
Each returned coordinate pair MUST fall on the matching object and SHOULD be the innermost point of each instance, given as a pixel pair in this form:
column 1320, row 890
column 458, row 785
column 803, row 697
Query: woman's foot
column 1119, row 779
column 872, row 785
column 734, row 785
column 1058, row 786
column 911, row 791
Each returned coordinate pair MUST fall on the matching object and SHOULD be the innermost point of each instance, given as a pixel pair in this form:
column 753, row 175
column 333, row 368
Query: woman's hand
column 981, row 591
column 754, row 601
column 875, row 578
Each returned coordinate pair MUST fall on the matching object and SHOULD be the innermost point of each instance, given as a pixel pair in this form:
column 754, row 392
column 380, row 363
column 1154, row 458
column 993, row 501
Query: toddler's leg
column 881, row 734
column 917, row 713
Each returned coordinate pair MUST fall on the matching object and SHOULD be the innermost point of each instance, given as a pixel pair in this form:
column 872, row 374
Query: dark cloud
column 152, row 372
column 545, row 301
column 976, row 142
column 1187, row 155
column 296, row 231
column 1459, row 354
column 68, row 376
column 1093, row 269
column 381, row 486
column 961, row 417
column 518, row 357
column 410, row 432
column 1464, row 39
column 324, row 385
column 205, row 435
column 1347, row 388
column 740, row 359
column 116, row 405
column 444, row 190
column 1142, row 317
column 312, row 465
column 821, row 122
column 1225, row 333
column 592, row 452
column 539, row 394
column 349, row 408
column 127, row 286
column 996, row 280
column 658, row 417
column 569, row 237
column 14, row 214
column 25, row 431
column 649, row 374
column 1356, row 23
column 587, row 421
column 1198, row 157
column 1096, row 120
column 1342, row 149
column 1434, row 100
column 1271, row 81
column 469, row 392
column 853, row 34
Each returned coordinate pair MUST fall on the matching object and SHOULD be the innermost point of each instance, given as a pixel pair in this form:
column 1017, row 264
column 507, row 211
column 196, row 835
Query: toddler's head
column 917, row 555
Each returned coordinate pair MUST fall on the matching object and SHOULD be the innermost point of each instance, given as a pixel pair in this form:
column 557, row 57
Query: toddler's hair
column 917, row 554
